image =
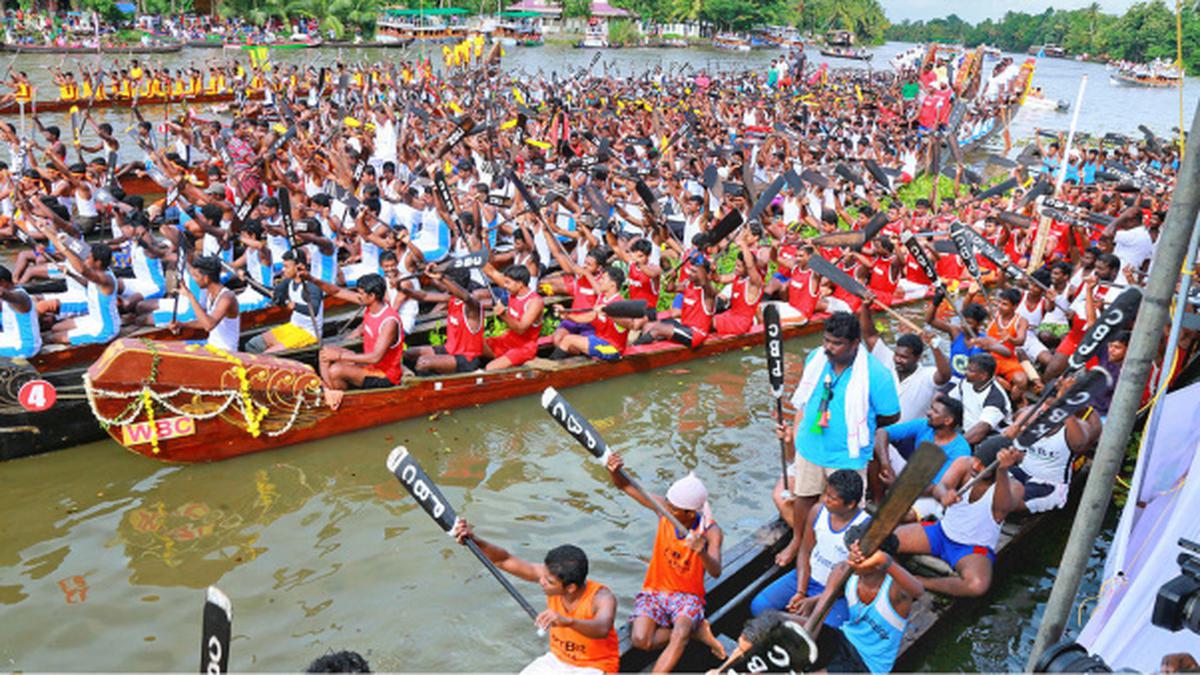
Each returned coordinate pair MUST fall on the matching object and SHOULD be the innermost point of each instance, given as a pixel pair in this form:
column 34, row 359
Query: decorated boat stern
column 231, row 403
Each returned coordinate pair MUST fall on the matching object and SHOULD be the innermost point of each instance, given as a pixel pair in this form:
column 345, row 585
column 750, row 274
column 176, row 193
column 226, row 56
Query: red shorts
column 515, row 349
column 728, row 323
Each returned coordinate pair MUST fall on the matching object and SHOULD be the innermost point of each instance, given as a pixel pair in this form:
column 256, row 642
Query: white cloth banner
column 1145, row 548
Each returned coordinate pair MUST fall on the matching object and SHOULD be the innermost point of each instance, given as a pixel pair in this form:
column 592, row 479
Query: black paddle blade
column 577, row 425
column 962, row 245
column 647, row 195
column 285, row 214
column 710, row 177
column 1001, row 161
column 1083, row 393
column 922, row 466
column 997, row 189
column 845, row 172
column 877, row 173
column 724, row 228
column 525, row 194
column 944, row 246
column 813, row 178
column 1117, row 314
column 424, row 491
column 626, row 309
column 786, row 648
column 767, row 196
column 920, row 255
column 468, row 261
column 1043, row 186
column 824, row 268
column 989, row 251
column 773, row 331
column 217, row 629
column 793, row 181
column 874, row 225
column 1014, row 219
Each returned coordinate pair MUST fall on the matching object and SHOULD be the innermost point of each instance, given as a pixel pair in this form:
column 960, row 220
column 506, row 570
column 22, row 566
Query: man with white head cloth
column 670, row 609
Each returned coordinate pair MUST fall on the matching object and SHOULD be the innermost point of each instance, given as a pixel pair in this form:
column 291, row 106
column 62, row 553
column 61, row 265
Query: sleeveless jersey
column 516, row 309
column 583, row 295
column 829, row 547
column 572, row 647
column 874, row 629
column 607, row 329
column 696, row 313
column 227, row 331
column 391, row 364
column 1005, row 335
column 102, row 307
column 740, row 304
column 1049, row 460
column 642, row 286
column 803, row 292
column 971, row 523
column 300, row 315
column 460, row 339
column 883, row 279
column 675, row 568
column 20, row 334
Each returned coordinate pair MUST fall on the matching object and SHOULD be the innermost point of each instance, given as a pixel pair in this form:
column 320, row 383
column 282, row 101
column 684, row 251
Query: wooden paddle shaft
column 656, row 505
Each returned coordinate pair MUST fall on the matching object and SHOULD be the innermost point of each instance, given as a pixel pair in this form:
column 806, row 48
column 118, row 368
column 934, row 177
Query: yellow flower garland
column 148, row 405
column 251, row 411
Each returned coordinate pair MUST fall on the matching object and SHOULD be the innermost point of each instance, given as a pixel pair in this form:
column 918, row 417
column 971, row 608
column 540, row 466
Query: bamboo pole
column 1147, row 336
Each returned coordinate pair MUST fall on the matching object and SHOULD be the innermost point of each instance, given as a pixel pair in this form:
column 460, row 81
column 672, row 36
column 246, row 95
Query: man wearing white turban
column 670, row 608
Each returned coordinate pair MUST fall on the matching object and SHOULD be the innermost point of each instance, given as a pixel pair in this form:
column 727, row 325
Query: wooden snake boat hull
column 853, row 56
column 12, row 108
column 125, row 365
column 114, row 50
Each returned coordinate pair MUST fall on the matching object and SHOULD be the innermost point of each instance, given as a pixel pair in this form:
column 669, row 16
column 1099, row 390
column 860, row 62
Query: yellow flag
column 518, row 97
column 858, row 93
column 538, row 144
column 454, row 106
column 508, row 125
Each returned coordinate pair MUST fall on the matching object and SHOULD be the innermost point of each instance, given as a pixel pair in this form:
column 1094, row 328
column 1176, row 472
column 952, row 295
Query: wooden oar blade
column 846, row 239
column 824, row 268
column 424, row 491
column 877, row 173
column 1115, row 316
column 1082, row 394
column 773, row 330
column 1002, row 162
column 918, row 473
column 577, row 425
column 216, row 632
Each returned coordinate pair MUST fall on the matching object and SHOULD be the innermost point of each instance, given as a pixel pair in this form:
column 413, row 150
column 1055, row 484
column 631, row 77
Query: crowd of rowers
column 605, row 190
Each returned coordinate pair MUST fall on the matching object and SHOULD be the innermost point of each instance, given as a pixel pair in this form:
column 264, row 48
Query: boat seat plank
column 557, row 364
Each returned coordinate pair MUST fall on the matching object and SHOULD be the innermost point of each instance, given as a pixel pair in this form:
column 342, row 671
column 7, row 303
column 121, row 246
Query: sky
column 978, row 10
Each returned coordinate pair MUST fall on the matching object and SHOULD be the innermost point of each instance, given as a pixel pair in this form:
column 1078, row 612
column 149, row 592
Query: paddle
column 1115, row 316
column 922, row 466
column 217, row 627
column 786, row 648
column 1081, row 394
column 773, row 332
column 460, row 132
column 764, row 200
column 579, row 427
column 725, row 227
column 824, row 268
column 426, row 493
column 962, row 246
column 997, row 189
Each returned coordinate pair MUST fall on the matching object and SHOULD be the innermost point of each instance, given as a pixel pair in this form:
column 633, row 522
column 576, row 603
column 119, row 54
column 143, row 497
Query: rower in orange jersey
column 579, row 615
column 670, row 609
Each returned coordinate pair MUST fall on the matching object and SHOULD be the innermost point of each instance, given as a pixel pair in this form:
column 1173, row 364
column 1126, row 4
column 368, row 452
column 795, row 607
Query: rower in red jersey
column 381, row 362
column 522, row 315
column 645, row 277
column 695, row 314
column 745, row 293
column 609, row 334
column 465, row 323
column 884, row 268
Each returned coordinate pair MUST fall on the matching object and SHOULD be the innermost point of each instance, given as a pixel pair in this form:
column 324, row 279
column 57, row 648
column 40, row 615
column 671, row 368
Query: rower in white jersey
column 255, row 265
column 145, row 259
column 102, row 321
column 218, row 315
column 322, row 253
column 305, row 300
column 373, row 238
column 20, row 336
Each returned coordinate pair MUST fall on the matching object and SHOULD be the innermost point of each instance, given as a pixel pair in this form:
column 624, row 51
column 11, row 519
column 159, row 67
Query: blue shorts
column 576, row 328
column 601, row 349
column 677, row 303
column 782, row 278
column 949, row 550
column 777, row 595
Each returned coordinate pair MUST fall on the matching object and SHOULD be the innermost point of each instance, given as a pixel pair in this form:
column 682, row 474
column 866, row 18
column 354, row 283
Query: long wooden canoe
column 122, row 375
column 115, row 50
column 63, row 106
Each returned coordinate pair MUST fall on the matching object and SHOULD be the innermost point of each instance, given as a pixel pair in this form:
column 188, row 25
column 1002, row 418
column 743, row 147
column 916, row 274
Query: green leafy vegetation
column 343, row 17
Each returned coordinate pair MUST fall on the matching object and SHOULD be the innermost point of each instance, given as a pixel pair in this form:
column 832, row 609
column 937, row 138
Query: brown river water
column 104, row 555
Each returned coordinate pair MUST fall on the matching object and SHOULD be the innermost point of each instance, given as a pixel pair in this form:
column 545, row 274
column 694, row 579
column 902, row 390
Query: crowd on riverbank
column 669, row 209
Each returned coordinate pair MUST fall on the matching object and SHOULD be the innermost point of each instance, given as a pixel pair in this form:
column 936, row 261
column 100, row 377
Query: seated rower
column 695, row 314
column 967, row 535
column 465, row 324
column 609, row 334
column 381, row 364
column 218, row 314
column 745, row 293
column 670, row 608
column 822, row 547
column 985, row 405
column 879, row 596
column 306, row 302
column 20, row 335
column 894, row 444
column 1043, row 480
column 580, row 614
column 102, row 321
column 523, row 316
